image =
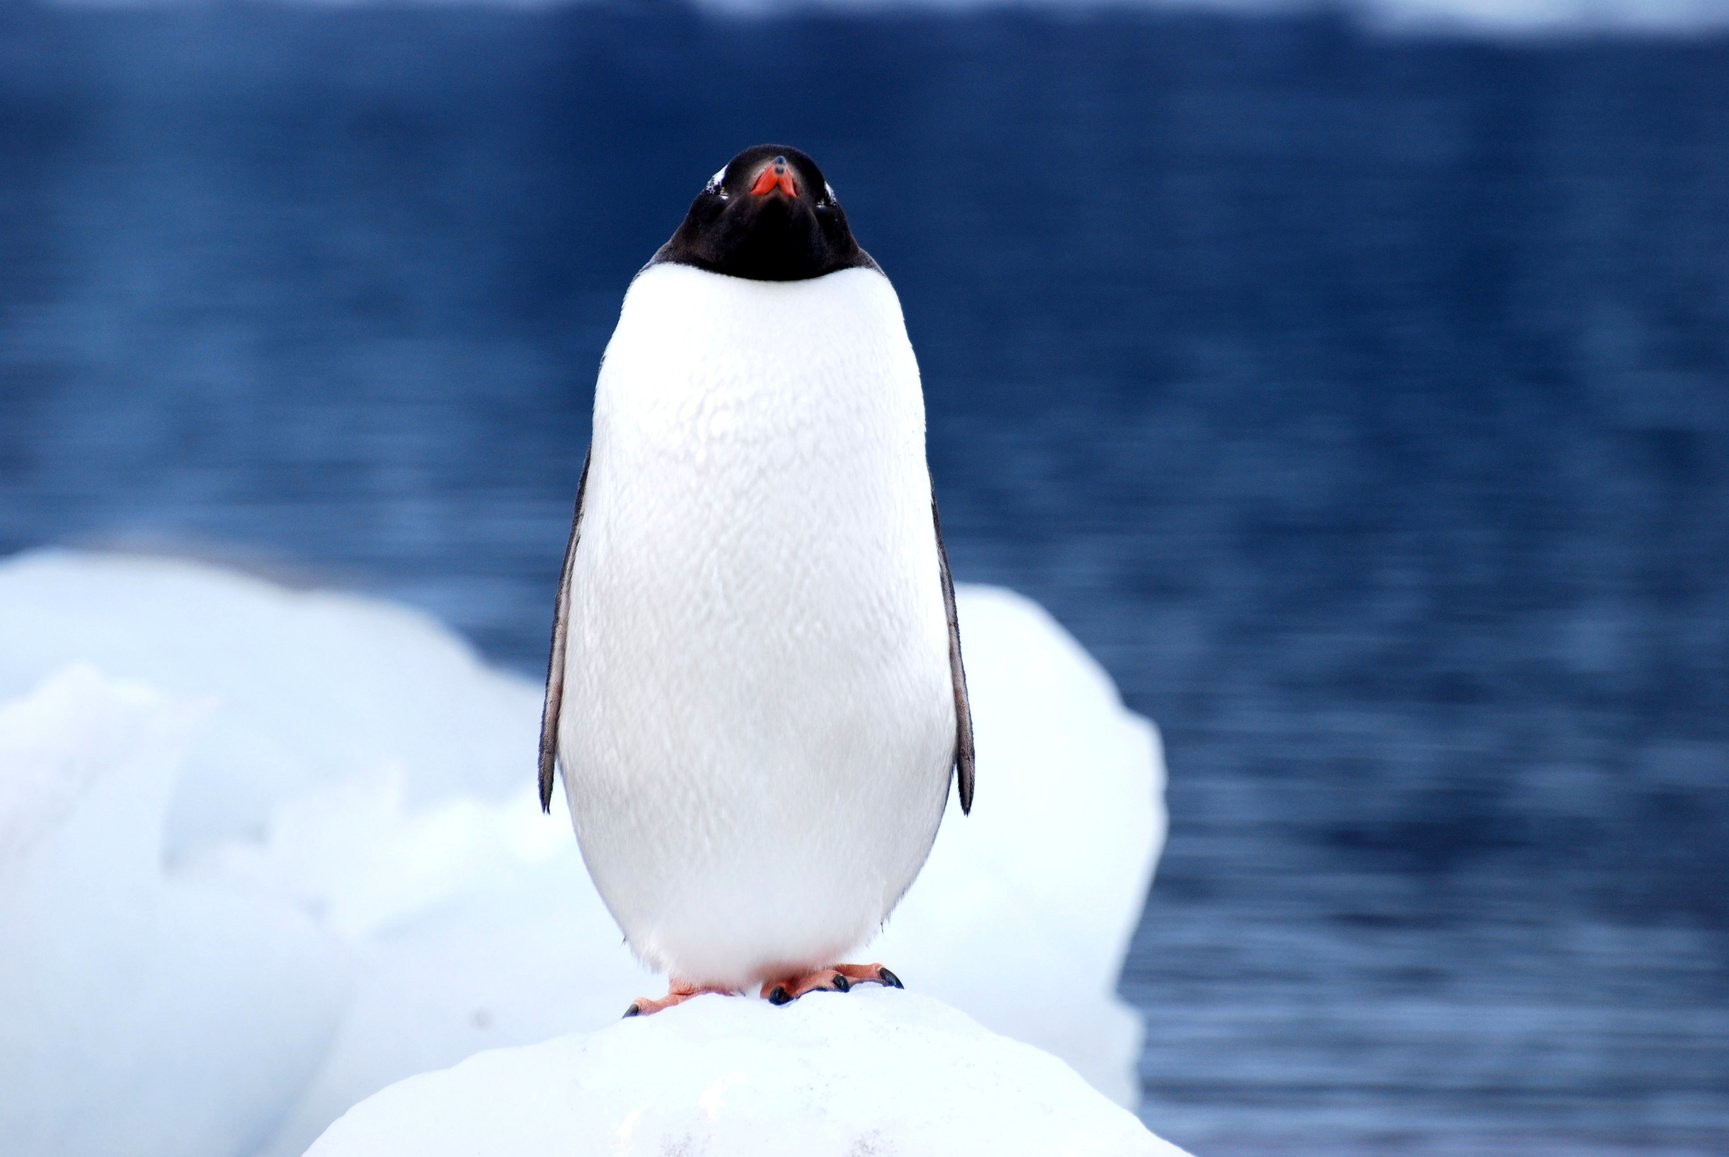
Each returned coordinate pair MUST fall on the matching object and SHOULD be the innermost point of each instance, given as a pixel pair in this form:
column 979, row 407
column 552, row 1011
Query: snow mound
column 311, row 686
column 872, row 1071
column 284, row 850
column 139, row 1014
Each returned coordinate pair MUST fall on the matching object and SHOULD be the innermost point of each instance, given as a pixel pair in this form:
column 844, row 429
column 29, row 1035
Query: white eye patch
column 828, row 192
column 714, row 181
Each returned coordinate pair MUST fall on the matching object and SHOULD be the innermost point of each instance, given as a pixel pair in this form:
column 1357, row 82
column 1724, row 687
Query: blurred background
column 1354, row 383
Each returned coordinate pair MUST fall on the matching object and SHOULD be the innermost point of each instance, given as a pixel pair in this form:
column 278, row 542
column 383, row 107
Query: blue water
column 1363, row 404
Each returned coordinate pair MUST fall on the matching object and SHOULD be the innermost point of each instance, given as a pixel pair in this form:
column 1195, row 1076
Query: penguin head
column 768, row 215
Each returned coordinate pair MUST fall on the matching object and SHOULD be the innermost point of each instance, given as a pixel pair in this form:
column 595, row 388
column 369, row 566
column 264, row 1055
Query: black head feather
column 768, row 216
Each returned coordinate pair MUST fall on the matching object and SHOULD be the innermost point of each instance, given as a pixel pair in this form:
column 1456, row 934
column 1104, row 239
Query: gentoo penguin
column 755, row 690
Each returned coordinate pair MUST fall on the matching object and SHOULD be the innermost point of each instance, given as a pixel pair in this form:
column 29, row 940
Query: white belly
column 757, row 724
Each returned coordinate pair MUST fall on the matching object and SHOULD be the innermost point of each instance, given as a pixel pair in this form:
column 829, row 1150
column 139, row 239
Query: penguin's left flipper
column 957, row 675
column 555, row 660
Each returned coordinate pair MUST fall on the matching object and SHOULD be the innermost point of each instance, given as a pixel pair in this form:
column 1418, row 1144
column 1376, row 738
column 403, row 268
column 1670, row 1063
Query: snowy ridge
column 1497, row 18
column 139, row 1012
column 873, row 1072
column 264, row 852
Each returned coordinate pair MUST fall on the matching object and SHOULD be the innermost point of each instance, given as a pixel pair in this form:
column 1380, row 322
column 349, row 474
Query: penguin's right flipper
column 957, row 676
column 555, row 660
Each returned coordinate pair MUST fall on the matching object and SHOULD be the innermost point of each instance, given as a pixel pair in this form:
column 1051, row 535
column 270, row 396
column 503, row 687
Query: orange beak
column 775, row 176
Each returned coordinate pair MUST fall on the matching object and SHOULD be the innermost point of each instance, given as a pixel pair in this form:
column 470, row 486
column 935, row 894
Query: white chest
column 759, row 448
column 757, row 678
column 721, row 381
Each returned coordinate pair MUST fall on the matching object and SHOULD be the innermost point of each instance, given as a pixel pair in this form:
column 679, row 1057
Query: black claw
column 633, row 1010
column 779, row 996
column 890, row 978
column 841, row 983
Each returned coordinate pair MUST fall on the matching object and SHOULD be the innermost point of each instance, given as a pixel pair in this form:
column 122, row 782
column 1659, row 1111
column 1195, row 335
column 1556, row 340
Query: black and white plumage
column 755, row 691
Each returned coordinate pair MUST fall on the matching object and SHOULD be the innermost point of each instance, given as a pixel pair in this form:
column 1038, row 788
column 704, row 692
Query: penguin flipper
column 555, row 660
column 957, row 675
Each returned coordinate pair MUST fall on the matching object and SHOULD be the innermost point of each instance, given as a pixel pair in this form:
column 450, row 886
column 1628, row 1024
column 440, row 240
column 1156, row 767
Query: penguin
column 755, row 692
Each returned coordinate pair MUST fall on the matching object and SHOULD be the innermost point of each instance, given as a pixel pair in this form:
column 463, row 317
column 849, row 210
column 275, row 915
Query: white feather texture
column 758, row 723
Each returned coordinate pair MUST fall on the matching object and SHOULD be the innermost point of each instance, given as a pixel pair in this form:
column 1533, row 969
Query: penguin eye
column 716, row 185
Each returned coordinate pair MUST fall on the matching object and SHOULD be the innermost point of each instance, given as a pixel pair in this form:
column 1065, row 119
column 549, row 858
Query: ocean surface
column 1362, row 402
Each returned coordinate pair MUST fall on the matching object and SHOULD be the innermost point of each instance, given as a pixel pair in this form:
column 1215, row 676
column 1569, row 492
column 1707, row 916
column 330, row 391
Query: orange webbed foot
column 836, row 978
column 677, row 993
